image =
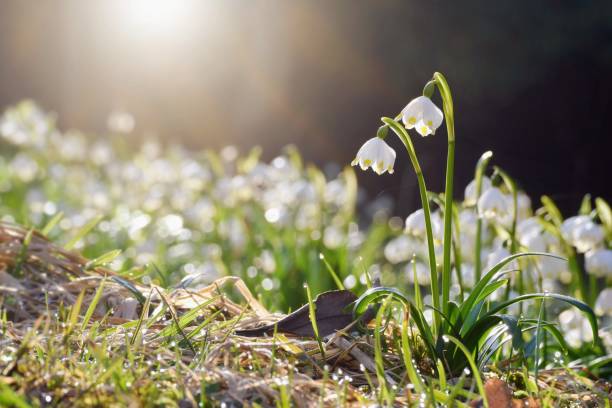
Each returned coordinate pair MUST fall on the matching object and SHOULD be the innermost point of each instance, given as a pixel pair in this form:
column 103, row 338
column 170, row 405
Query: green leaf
column 585, row 205
column 22, row 255
column 92, row 306
column 9, row 398
column 52, row 223
column 473, row 365
column 583, row 307
column 373, row 295
column 85, row 229
column 128, row 285
column 102, row 259
column 605, row 215
column 552, row 210
column 467, row 306
column 331, row 271
column 490, row 288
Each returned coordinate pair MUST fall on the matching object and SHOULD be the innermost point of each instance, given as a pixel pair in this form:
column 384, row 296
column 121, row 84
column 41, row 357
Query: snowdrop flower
column 496, row 256
column 552, row 268
column 493, row 204
column 415, row 224
column 603, row 304
column 527, row 227
column 575, row 327
column 333, row 237
column 588, row 236
column 534, row 241
column 581, row 232
column 524, row 206
column 469, row 196
column 468, row 220
column 400, row 249
column 376, row 153
column 422, row 115
column 599, row 262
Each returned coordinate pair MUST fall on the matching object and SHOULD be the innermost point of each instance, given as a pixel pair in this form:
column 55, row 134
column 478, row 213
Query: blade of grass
column 92, row 306
column 331, row 272
column 313, row 320
column 85, row 229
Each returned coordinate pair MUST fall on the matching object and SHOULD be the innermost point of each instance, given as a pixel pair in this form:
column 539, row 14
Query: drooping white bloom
column 551, row 268
column 377, row 154
column 495, row 256
column 469, row 195
column 534, row 241
column 581, row 232
column 415, row 224
column 598, row 262
column 400, row 249
column 575, row 327
column 422, row 115
column 527, row 227
column 588, row 236
column 493, row 204
column 603, row 304
column 524, row 206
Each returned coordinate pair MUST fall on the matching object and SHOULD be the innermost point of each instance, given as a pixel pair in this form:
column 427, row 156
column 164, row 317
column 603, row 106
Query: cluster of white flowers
column 194, row 214
column 493, row 207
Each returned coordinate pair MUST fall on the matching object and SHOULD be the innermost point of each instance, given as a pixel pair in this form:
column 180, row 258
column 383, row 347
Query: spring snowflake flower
column 493, row 204
column 575, row 327
column 377, row 154
column 470, row 197
column 603, row 305
column 581, row 232
column 415, row 224
column 599, row 262
column 422, row 115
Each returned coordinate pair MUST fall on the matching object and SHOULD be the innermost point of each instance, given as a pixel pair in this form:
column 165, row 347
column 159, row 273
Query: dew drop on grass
column 467, row 371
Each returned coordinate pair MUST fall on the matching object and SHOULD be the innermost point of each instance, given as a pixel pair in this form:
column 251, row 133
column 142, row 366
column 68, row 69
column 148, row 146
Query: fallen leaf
column 498, row 395
column 331, row 313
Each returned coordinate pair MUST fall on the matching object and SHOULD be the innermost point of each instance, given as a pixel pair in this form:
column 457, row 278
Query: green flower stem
column 447, row 106
column 480, row 169
column 401, row 132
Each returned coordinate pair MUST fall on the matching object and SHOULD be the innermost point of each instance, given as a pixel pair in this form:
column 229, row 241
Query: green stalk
column 401, row 132
column 480, row 169
column 447, row 106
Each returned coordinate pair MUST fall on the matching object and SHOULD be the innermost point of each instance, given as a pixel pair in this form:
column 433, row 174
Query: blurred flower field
column 180, row 219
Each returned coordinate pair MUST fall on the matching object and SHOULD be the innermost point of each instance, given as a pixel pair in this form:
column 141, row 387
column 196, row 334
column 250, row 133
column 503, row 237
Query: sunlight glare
column 156, row 16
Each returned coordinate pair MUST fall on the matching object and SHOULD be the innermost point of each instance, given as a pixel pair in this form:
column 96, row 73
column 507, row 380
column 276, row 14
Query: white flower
column 493, row 204
column 470, row 191
column 575, row 327
column 581, row 232
column 423, row 115
column 376, row 153
column 527, row 227
column 599, row 262
column 400, row 249
column 603, row 304
column 551, row 268
column 497, row 255
column 524, row 206
column 422, row 273
column 588, row 236
column 415, row 224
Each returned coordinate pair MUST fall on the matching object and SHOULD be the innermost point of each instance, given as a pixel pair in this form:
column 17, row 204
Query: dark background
column 531, row 80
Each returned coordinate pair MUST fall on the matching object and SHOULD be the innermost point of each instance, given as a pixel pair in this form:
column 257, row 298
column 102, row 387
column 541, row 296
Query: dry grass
column 76, row 335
